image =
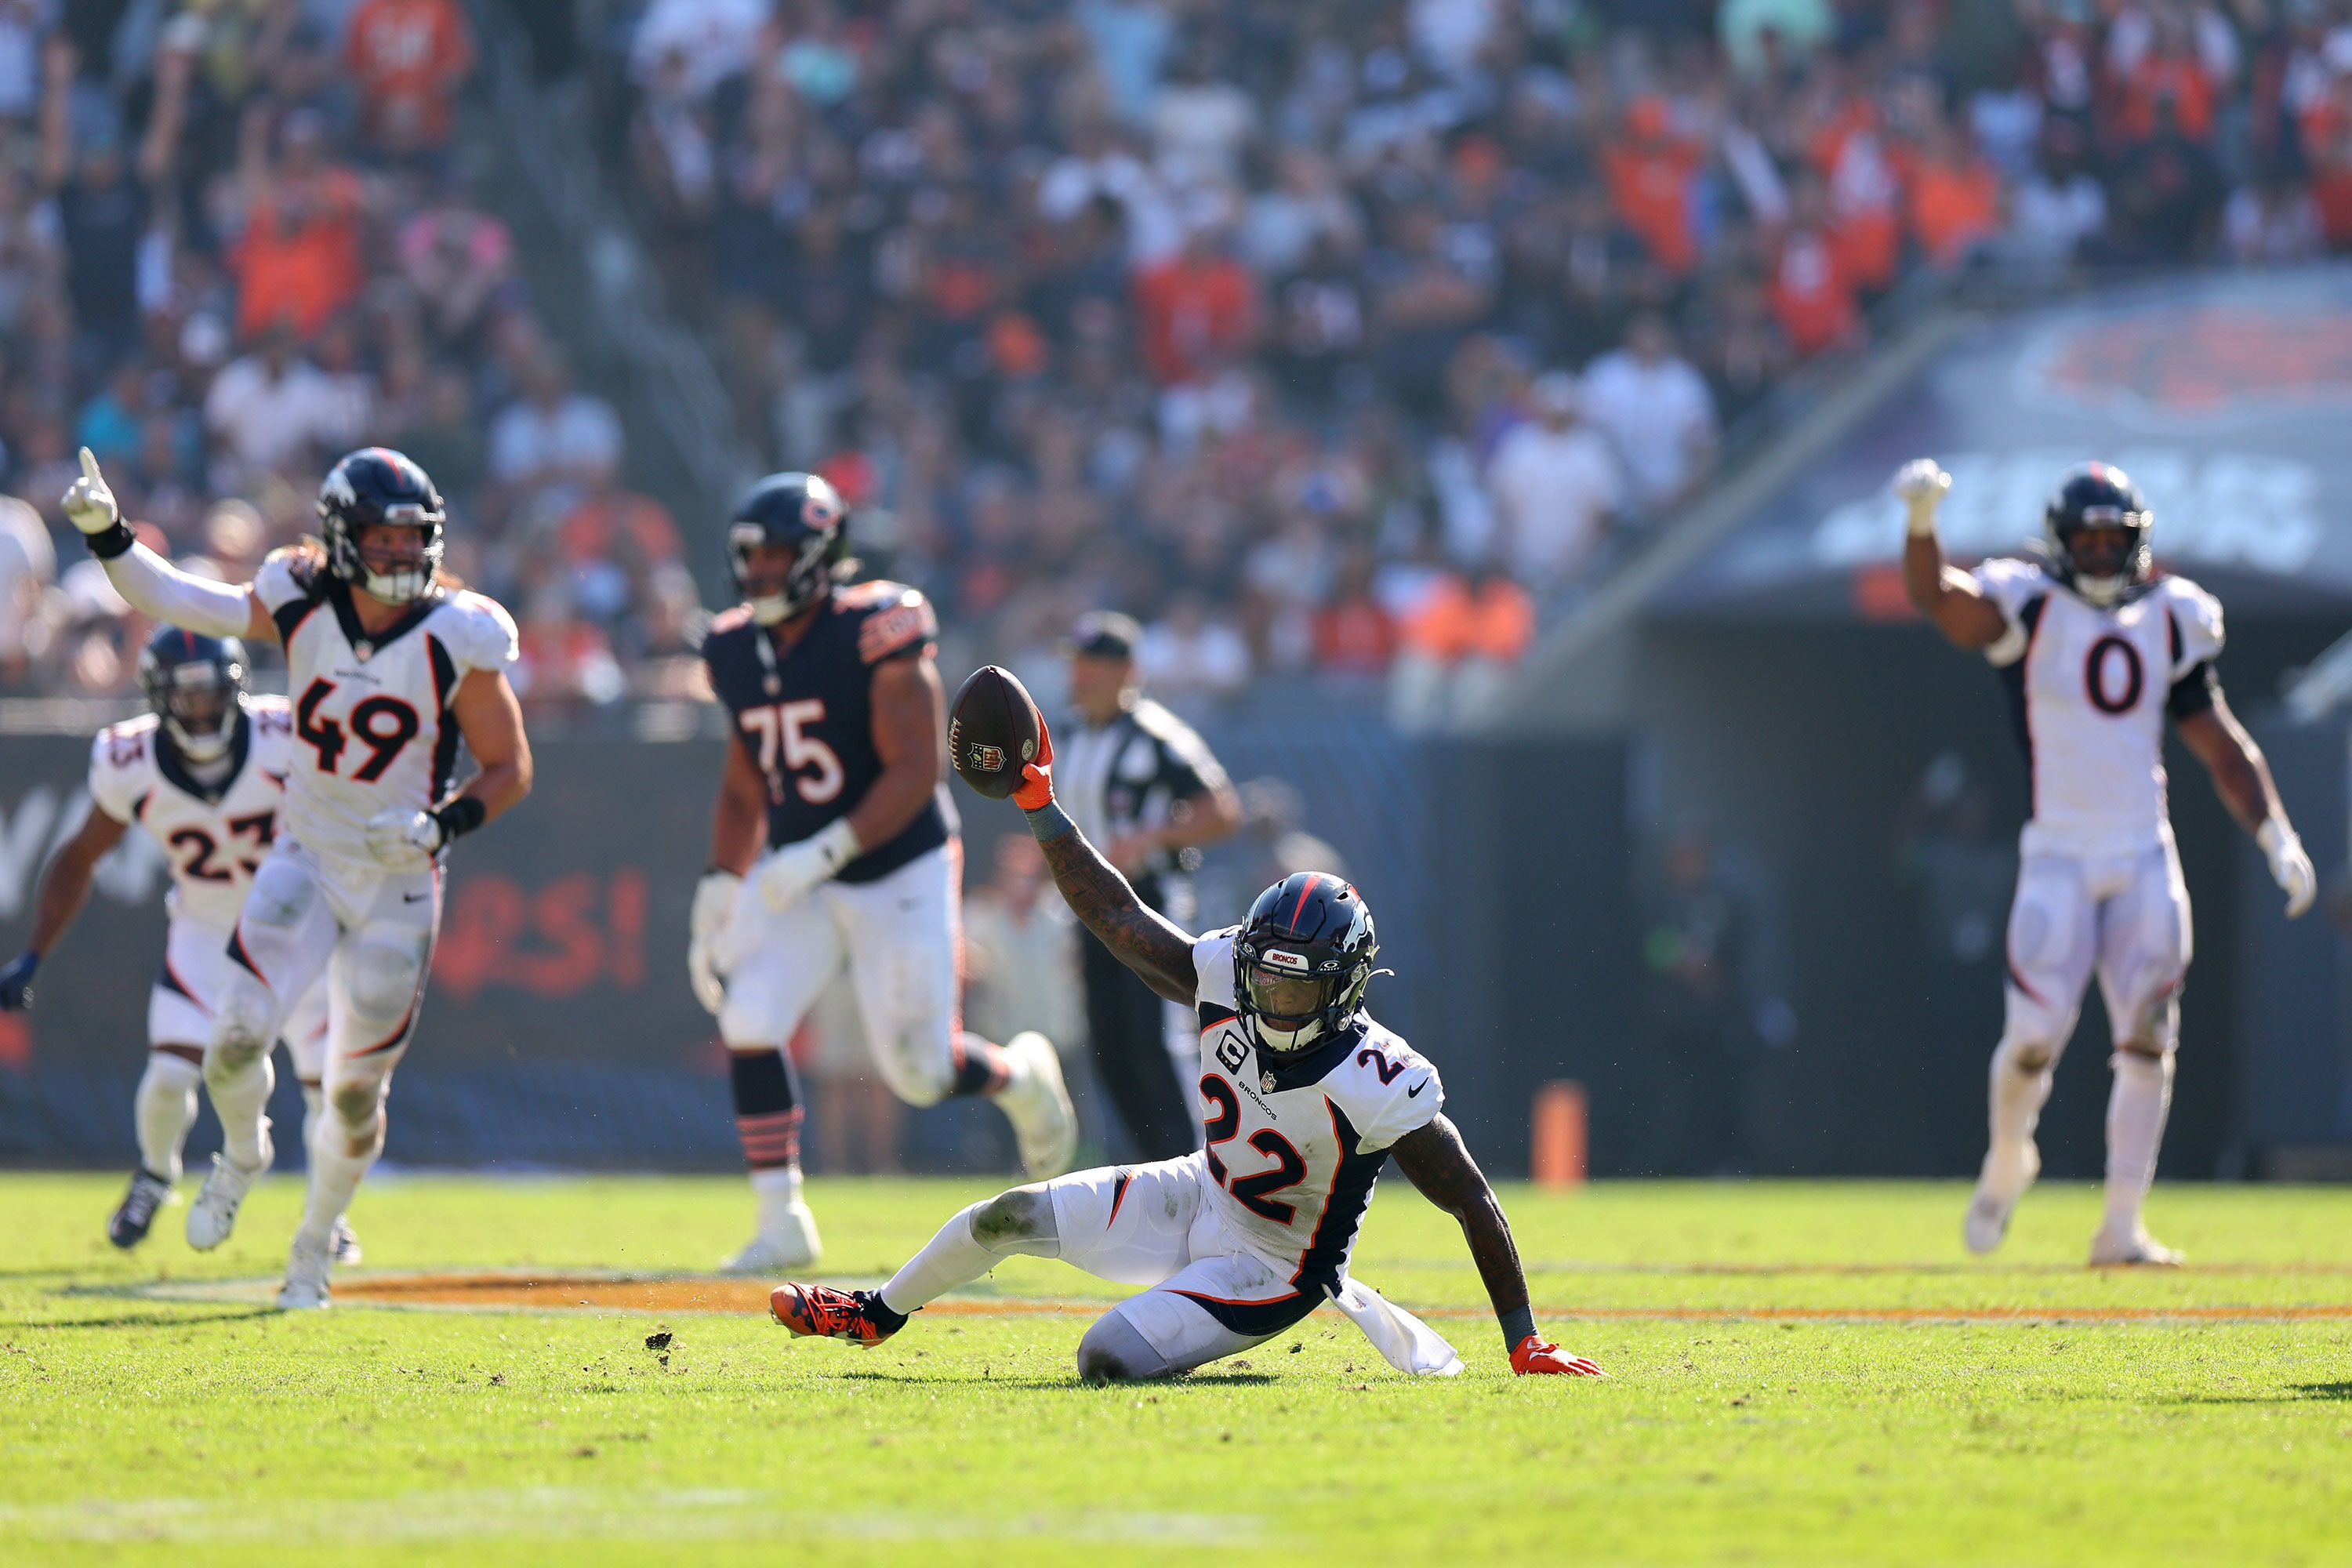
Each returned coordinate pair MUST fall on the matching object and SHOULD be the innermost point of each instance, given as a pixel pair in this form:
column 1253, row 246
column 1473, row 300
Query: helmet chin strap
column 1287, row 1040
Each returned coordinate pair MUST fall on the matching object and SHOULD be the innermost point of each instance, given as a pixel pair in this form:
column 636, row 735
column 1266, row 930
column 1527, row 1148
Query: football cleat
column 820, row 1311
column 307, row 1270
column 2005, row 1179
column 214, row 1213
column 347, row 1244
column 127, row 1226
column 2133, row 1248
column 1037, row 1103
column 788, row 1244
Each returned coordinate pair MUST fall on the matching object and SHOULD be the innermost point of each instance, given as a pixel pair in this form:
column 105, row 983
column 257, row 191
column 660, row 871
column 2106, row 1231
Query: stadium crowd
column 1344, row 336
column 236, row 240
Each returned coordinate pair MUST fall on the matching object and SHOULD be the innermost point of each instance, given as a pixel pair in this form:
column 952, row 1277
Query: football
column 993, row 732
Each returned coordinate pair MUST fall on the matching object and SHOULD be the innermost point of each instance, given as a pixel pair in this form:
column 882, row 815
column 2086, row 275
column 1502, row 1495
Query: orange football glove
column 1532, row 1357
column 1037, row 790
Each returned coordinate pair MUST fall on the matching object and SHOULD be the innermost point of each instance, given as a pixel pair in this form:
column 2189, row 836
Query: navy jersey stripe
column 1343, row 1209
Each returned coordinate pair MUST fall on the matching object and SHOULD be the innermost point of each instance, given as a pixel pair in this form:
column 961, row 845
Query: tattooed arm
column 1434, row 1160
column 1143, row 939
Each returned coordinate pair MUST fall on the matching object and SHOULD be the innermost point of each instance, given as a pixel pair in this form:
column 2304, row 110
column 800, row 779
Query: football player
column 1306, row 1098
column 840, row 730
column 204, row 775
column 390, row 666
column 2096, row 649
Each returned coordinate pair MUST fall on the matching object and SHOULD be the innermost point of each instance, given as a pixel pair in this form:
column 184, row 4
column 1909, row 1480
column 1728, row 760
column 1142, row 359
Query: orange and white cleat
column 820, row 1311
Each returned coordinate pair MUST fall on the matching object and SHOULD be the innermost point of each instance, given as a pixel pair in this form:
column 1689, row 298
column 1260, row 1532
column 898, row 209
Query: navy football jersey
column 806, row 715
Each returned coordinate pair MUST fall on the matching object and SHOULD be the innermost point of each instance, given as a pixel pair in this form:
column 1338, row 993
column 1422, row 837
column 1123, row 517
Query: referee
column 1139, row 781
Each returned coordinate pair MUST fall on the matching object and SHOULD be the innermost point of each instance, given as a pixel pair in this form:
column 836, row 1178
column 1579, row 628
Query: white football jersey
column 2090, row 689
column 372, row 731
column 1295, row 1147
column 214, row 837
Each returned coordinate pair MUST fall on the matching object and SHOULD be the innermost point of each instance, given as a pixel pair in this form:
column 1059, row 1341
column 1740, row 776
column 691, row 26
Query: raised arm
column 2241, row 777
column 1144, row 939
column 1942, row 591
column 153, row 584
column 1435, row 1161
column 65, row 886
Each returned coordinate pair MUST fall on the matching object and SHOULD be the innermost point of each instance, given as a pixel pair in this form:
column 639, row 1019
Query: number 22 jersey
column 1295, row 1143
column 372, row 729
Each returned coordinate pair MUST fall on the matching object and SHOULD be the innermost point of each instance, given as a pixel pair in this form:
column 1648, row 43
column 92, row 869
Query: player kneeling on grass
column 1306, row 1098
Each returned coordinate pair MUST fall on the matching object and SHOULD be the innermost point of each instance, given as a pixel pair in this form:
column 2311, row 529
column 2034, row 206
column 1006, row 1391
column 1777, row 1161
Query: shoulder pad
column 895, row 619
column 479, row 633
column 2196, row 622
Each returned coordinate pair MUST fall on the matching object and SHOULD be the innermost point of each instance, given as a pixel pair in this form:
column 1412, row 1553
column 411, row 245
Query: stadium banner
column 560, row 1032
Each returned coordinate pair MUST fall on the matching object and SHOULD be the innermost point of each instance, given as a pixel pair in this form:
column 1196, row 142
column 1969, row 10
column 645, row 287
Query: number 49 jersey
column 804, row 715
column 214, row 836
column 1295, row 1145
column 2090, row 687
column 372, row 729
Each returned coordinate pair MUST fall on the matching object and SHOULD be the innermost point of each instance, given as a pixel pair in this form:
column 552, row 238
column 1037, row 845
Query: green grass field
column 1922, row 1428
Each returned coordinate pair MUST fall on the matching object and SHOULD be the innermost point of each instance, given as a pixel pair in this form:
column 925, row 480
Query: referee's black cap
column 1103, row 634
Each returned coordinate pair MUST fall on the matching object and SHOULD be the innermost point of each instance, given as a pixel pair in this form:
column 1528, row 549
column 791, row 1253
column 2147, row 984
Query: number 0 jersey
column 216, row 835
column 2089, row 689
column 1295, row 1146
column 804, row 715
column 373, row 730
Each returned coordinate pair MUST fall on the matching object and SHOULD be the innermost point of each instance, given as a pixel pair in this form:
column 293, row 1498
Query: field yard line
column 659, row 1296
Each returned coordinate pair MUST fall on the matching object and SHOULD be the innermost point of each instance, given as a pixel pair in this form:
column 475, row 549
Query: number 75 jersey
column 372, row 729
column 1294, row 1143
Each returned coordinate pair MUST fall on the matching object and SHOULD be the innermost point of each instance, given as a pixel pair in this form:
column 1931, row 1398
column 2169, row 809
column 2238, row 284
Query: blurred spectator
column 299, row 257
column 1188, row 657
column 1657, row 408
column 272, row 409
column 1461, row 644
column 28, row 564
column 554, row 437
column 407, row 58
column 1699, row 961
column 1557, row 487
column 1198, row 308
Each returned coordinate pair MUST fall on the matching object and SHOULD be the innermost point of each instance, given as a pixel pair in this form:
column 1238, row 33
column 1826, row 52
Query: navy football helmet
column 1302, row 961
column 2098, row 496
column 196, row 684
column 378, row 485
column 799, row 513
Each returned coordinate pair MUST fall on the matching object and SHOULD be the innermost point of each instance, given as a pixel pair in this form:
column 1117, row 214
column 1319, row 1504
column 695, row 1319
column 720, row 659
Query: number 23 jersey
column 212, row 836
column 1295, row 1144
column 2090, row 687
column 372, row 729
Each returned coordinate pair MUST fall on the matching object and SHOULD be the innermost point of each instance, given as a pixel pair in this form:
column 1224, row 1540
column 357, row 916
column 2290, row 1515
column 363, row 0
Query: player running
column 2095, row 647
column 840, row 726
column 391, row 666
column 204, row 775
column 1306, row 1098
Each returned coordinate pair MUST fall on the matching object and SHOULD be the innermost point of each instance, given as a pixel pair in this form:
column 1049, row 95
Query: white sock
column 952, row 1258
column 240, row 1095
column 2018, row 1098
column 335, row 1175
column 777, row 1188
column 164, row 1108
column 2136, row 1112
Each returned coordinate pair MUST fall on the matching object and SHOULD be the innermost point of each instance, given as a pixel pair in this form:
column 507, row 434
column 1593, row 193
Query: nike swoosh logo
column 413, row 898
column 1416, row 1088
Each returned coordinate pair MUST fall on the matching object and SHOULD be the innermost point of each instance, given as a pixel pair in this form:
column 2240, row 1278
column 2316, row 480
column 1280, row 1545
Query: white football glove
column 89, row 504
column 714, row 901
column 2290, row 867
column 786, row 876
column 1920, row 485
column 400, row 839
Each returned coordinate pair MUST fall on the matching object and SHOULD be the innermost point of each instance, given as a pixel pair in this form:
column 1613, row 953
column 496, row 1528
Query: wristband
column 1050, row 822
column 1921, row 522
column 1518, row 1325
column 114, row 541
column 460, row 817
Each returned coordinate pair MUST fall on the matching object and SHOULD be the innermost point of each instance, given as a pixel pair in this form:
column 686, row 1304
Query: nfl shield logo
column 987, row 759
